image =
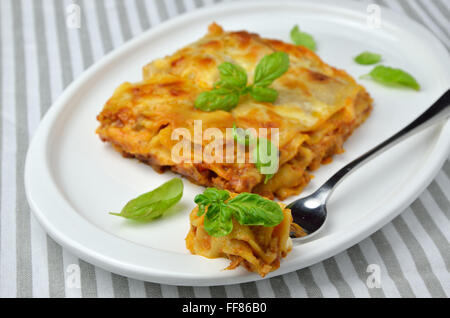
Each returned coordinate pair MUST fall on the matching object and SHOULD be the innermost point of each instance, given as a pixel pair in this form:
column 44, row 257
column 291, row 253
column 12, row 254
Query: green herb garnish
column 245, row 138
column 232, row 76
column 233, row 83
column 217, row 99
column 270, row 68
column 393, row 77
column 303, row 38
column 242, row 137
column 245, row 208
column 153, row 204
column 264, row 94
column 263, row 157
column 367, row 58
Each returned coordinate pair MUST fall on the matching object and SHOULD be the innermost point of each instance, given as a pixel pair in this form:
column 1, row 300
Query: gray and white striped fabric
column 40, row 56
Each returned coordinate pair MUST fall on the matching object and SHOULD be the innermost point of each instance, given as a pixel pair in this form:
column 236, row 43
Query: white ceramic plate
column 72, row 179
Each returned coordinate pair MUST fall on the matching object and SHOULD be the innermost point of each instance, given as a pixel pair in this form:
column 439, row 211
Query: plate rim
column 38, row 150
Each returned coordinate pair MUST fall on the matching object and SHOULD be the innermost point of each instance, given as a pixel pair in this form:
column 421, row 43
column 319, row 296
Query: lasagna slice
column 259, row 249
column 317, row 108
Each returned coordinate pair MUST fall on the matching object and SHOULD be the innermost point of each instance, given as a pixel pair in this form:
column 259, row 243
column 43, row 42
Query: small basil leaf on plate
column 393, row 77
column 232, row 76
column 263, row 94
column 271, row 67
column 153, row 204
column 367, row 58
column 252, row 209
column 217, row 99
column 302, row 38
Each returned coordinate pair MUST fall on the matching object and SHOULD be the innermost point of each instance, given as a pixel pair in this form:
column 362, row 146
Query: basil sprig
column 393, row 77
column 245, row 208
column 245, row 138
column 233, row 83
column 303, row 38
column 367, row 58
column 153, row 204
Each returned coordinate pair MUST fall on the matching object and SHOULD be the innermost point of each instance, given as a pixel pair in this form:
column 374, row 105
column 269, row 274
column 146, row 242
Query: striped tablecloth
column 40, row 56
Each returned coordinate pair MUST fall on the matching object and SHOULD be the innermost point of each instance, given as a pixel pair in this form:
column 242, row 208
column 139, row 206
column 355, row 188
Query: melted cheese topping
column 309, row 92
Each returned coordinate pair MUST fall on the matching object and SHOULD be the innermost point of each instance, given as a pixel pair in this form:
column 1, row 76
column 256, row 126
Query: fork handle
column 439, row 111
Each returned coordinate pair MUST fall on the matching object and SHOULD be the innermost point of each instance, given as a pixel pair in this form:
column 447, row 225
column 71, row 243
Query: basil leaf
column 263, row 94
column 213, row 195
column 393, row 77
column 232, row 76
column 367, row 58
column 302, row 38
column 217, row 220
column 261, row 157
column 217, row 99
column 252, row 209
column 242, row 136
column 210, row 196
column 270, row 68
column 246, row 208
column 153, row 204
